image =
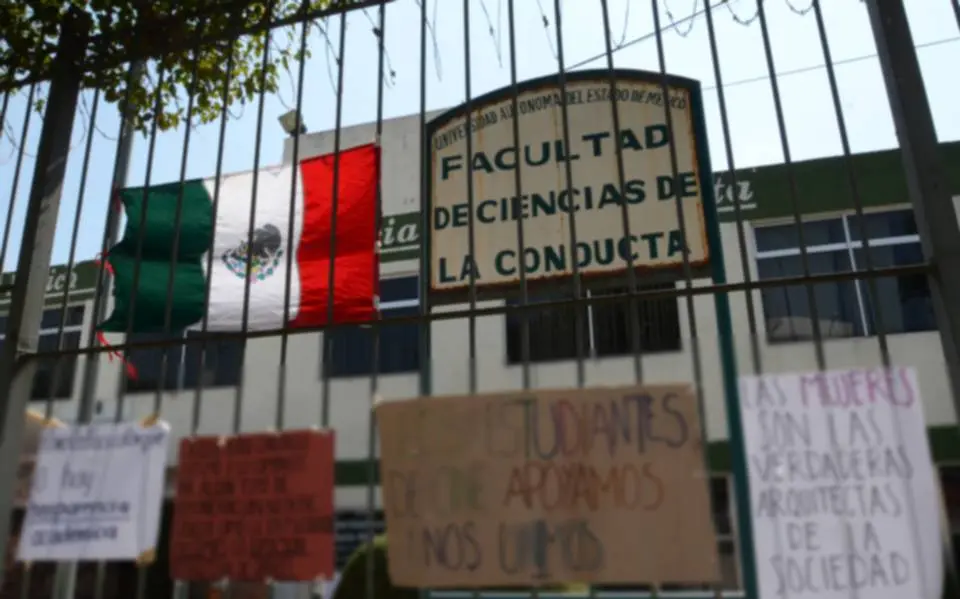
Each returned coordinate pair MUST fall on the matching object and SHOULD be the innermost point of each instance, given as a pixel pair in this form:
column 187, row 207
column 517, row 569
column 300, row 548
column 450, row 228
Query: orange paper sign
column 254, row 507
column 546, row 487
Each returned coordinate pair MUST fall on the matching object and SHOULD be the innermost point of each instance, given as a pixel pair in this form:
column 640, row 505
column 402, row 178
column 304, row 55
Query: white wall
column 350, row 399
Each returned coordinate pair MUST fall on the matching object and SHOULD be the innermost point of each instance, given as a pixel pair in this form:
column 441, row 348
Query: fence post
column 927, row 182
column 33, row 263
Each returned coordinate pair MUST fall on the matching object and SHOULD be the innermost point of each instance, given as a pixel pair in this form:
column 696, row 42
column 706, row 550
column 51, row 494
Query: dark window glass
column 221, row 366
column 789, row 316
column 353, row 528
column 904, row 301
column 51, row 318
column 894, row 223
column 54, row 377
column 552, row 331
column 950, row 483
column 351, row 349
column 902, row 304
column 722, row 508
column 786, row 237
column 658, row 320
column 149, row 363
column 395, row 290
column 399, row 343
column 729, row 570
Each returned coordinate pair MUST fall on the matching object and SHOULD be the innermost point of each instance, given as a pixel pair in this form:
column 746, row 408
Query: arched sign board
column 568, row 178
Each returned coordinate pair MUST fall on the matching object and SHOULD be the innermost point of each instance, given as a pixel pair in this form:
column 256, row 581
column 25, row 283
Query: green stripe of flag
column 157, row 232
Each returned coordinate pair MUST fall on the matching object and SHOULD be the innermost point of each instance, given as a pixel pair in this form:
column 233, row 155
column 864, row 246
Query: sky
column 798, row 58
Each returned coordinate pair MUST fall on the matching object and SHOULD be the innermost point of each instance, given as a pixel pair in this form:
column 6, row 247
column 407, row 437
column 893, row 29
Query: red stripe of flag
column 356, row 261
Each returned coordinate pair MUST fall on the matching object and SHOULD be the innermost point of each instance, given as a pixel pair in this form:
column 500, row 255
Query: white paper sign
column 842, row 485
column 96, row 494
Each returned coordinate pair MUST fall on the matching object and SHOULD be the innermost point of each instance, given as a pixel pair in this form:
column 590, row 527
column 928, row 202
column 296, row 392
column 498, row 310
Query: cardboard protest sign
column 602, row 485
column 843, row 489
column 96, row 493
column 254, row 508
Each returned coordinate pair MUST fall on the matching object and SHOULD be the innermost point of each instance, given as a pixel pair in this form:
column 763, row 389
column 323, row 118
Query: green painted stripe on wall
column 82, row 282
column 823, row 185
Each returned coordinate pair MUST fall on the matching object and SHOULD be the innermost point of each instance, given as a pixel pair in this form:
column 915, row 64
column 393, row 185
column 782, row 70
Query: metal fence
column 52, row 361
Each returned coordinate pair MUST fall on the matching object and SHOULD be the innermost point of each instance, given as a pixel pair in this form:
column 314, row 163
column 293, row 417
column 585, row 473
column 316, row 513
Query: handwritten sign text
column 539, row 488
column 254, row 507
column 842, row 484
column 96, row 493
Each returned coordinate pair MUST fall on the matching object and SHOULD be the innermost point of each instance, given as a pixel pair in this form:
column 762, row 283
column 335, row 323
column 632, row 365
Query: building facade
column 202, row 395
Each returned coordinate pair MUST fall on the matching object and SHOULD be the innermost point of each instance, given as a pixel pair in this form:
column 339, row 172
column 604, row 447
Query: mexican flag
column 286, row 244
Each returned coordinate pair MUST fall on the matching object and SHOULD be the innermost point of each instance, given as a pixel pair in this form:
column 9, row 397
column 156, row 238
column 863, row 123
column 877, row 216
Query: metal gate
column 797, row 289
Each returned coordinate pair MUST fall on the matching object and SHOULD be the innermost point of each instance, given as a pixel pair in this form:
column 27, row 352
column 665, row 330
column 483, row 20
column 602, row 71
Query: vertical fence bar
column 91, row 363
column 36, row 248
column 175, row 242
column 743, row 524
column 426, row 275
column 214, row 211
column 64, row 310
column 877, row 320
column 794, row 190
column 372, row 470
column 334, row 205
column 15, row 184
column 471, row 224
column 87, row 400
column 471, row 220
column 424, row 339
column 927, row 184
column 924, row 171
column 3, row 110
column 713, row 227
column 123, row 380
column 240, row 394
column 280, row 414
column 636, row 345
column 518, row 184
column 66, row 573
column 581, row 333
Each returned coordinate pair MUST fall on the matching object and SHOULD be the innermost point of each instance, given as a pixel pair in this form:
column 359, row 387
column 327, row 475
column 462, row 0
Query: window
column 351, row 349
column 721, row 491
column 353, row 528
column 606, row 327
column 221, row 366
column 844, row 308
column 222, row 363
column 55, row 377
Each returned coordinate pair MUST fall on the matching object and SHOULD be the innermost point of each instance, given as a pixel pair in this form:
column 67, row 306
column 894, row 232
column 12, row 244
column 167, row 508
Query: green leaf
column 28, row 43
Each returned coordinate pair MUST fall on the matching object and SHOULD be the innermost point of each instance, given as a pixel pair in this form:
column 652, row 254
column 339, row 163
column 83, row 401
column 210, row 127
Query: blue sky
column 811, row 125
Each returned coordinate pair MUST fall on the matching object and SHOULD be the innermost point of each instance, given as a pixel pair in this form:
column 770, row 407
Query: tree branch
column 170, row 34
